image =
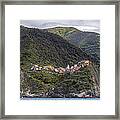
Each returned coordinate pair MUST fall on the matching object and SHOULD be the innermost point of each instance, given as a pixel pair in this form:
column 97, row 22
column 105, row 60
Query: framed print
column 60, row 60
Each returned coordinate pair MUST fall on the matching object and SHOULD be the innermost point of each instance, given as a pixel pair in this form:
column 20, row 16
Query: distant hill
column 87, row 41
column 62, row 31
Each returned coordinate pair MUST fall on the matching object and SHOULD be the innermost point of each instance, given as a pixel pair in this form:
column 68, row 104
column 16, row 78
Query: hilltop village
column 61, row 70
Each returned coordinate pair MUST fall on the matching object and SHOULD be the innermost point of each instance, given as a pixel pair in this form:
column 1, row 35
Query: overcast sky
column 84, row 25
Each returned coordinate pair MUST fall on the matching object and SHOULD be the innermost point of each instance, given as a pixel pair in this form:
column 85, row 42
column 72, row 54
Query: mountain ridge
column 41, row 38
column 89, row 42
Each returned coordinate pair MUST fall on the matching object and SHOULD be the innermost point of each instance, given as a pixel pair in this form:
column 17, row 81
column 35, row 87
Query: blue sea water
column 59, row 98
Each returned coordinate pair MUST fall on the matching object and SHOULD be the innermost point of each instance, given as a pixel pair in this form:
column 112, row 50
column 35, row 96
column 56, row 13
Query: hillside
column 37, row 46
column 62, row 31
column 50, row 53
column 87, row 41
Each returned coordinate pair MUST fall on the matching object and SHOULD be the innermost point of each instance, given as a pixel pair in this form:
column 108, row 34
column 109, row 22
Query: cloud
column 85, row 25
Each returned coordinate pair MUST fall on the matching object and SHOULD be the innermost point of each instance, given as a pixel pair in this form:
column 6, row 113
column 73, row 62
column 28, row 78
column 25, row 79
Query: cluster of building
column 62, row 70
column 87, row 94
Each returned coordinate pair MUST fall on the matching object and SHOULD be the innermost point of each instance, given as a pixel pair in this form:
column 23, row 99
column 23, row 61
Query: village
column 61, row 70
column 70, row 69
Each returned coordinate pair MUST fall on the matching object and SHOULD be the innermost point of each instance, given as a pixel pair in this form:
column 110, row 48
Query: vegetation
column 43, row 48
column 62, row 31
column 89, row 42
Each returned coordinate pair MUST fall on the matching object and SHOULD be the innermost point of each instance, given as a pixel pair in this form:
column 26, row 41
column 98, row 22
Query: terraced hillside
column 50, row 53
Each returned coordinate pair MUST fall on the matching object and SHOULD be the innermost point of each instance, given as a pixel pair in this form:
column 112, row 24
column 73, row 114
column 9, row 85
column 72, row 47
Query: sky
column 84, row 25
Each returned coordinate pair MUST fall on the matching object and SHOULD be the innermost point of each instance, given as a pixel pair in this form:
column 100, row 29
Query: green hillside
column 62, row 31
column 89, row 42
column 41, row 48
column 37, row 46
